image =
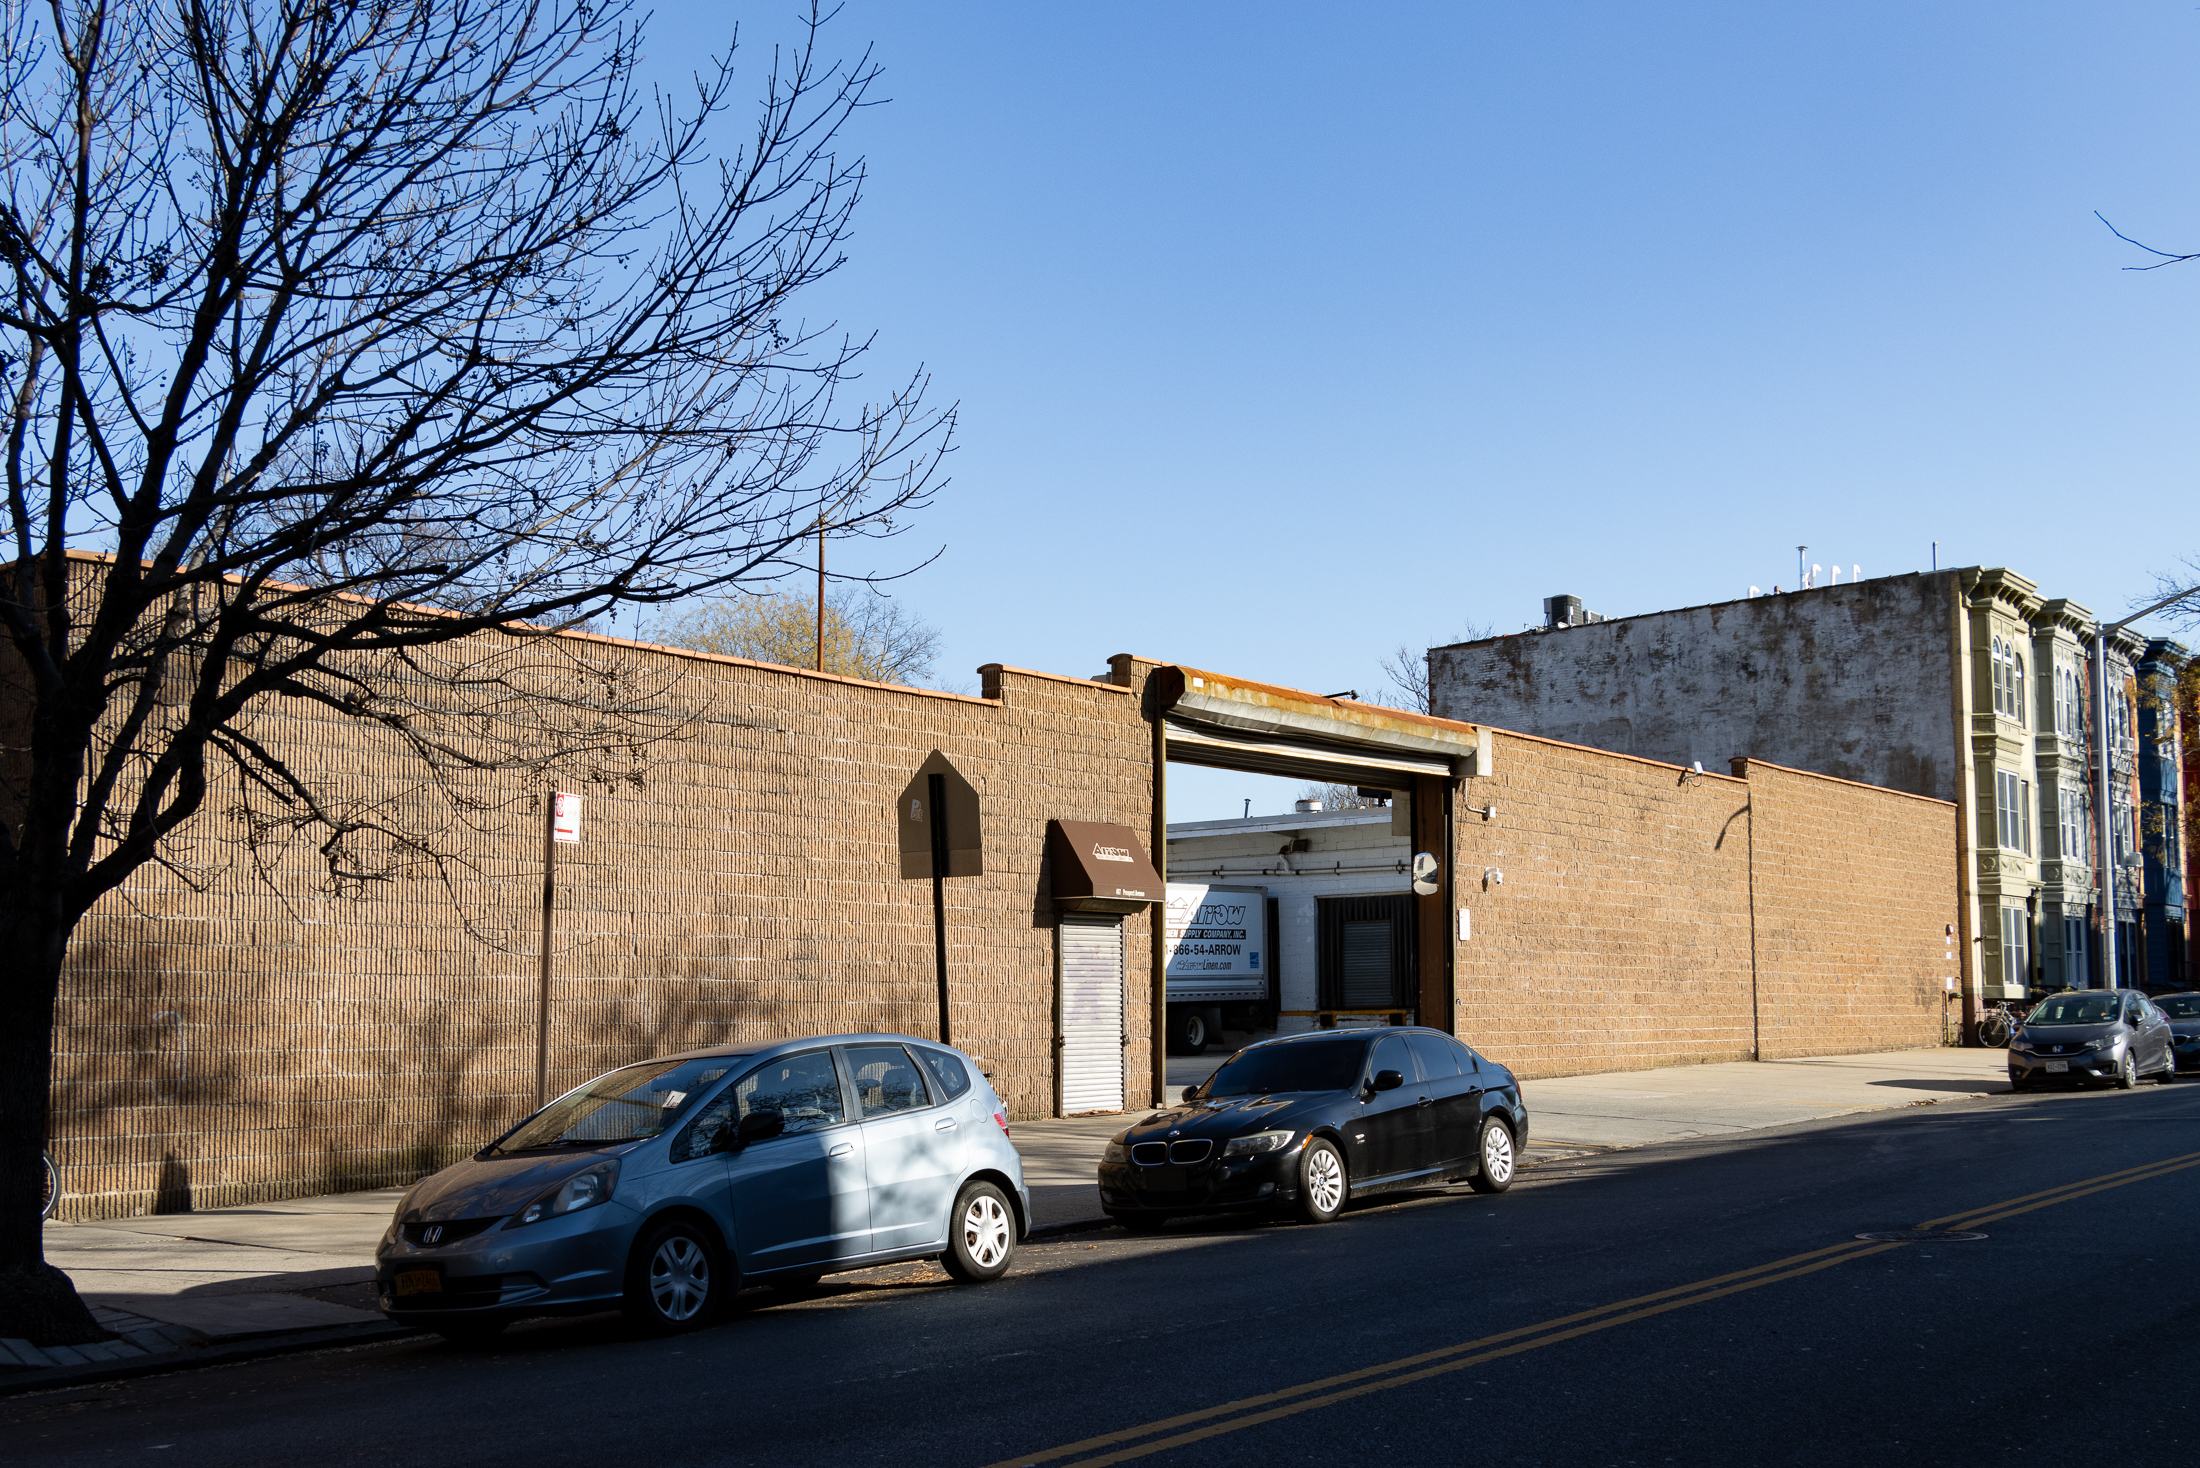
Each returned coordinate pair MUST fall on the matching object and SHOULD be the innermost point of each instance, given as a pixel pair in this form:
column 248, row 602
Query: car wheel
column 675, row 1282
column 982, row 1238
column 1323, row 1185
column 2127, row 1074
column 1187, row 1033
column 1496, row 1151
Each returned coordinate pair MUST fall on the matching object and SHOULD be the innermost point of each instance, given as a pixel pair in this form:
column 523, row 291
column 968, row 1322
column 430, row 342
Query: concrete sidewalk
column 178, row 1288
column 1637, row 1107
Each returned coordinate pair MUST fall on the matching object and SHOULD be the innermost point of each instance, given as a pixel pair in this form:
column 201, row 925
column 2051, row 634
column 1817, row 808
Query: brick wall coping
column 519, row 629
column 841, row 678
column 1743, row 759
column 985, row 668
column 1638, row 759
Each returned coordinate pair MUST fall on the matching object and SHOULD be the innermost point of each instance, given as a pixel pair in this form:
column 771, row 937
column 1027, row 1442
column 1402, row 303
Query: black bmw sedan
column 1308, row 1121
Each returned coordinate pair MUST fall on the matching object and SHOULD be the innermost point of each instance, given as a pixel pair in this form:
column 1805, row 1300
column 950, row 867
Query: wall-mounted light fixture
column 1486, row 812
column 1492, row 877
column 1693, row 773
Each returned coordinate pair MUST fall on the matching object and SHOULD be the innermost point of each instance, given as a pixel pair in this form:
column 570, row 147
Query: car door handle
column 946, row 1125
column 842, row 1150
column 1425, row 1101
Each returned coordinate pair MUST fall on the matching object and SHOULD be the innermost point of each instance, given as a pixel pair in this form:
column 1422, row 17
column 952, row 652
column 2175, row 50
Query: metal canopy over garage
column 1210, row 719
column 1233, row 724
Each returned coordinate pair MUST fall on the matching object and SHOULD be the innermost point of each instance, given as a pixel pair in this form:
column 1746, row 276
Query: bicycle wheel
column 1993, row 1031
column 52, row 1194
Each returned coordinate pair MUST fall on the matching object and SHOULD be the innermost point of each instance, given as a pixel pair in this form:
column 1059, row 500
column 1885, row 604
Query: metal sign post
column 561, row 825
column 937, row 793
column 938, row 819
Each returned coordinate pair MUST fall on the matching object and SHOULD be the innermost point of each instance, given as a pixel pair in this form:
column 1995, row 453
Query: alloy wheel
column 1497, row 1153
column 1325, row 1180
column 679, row 1278
column 986, row 1230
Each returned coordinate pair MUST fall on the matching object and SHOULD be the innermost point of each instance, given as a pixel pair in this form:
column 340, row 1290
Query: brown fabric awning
column 1093, row 860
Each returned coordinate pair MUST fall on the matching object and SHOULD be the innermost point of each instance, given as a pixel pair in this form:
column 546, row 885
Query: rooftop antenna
column 1248, row 809
column 1936, row 555
column 1802, row 568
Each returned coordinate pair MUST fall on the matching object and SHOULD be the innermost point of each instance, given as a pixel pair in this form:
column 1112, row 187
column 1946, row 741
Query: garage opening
column 1335, row 862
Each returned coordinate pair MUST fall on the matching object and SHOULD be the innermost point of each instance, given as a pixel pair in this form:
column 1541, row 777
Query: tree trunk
column 38, row 1303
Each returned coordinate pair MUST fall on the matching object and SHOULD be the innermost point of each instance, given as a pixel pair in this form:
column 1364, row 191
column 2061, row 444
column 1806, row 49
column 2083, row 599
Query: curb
column 23, row 1380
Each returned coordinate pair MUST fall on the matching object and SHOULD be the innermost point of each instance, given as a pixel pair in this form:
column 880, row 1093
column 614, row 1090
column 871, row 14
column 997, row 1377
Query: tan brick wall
column 230, row 1033
column 261, row 1039
column 1855, row 892
column 1621, row 935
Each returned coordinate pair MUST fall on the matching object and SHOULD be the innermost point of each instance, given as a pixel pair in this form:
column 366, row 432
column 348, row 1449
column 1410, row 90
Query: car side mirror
column 758, row 1126
column 1191, row 1093
column 1389, row 1080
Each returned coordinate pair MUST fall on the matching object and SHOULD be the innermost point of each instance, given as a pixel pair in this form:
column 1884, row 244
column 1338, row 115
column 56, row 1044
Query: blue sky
column 1286, row 334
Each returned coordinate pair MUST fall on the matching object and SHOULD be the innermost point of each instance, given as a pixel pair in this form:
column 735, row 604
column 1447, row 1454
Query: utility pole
column 2104, row 816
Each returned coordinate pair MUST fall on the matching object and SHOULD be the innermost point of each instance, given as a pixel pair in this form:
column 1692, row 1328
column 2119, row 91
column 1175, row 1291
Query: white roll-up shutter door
column 1089, row 999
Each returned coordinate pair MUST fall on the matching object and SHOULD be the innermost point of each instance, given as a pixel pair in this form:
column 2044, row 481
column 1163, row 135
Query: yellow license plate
column 420, row 1282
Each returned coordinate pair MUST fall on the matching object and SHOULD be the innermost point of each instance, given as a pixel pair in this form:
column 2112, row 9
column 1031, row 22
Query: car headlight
column 1258, row 1143
column 1116, row 1152
column 583, row 1189
column 2112, row 1044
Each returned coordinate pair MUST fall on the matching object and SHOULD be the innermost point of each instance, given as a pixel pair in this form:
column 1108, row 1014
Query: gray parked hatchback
column 663, row 1187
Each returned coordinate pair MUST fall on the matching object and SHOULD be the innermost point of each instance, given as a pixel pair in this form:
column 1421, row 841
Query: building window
column 2069, row 703
column 2119, row 832
column 2071, row 830
column 2077, row 970
column 2016, row 956
column 2013, row 809
column 2008, row 680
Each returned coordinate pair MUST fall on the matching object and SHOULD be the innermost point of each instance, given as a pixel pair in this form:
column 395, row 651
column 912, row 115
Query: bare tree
column 1407, row 669
column 866, row 635
column 2176, row 594
column 337, row 334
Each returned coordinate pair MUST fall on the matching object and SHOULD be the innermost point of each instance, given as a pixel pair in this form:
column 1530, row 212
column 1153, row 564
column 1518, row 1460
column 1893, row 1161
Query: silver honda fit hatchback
column 663, row 1187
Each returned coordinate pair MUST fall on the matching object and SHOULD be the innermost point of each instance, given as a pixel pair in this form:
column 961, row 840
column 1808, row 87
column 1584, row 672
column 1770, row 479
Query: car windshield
column 2179, row 1006
column 624, row 1106
column 1305, row 1065
column 2076, row 1009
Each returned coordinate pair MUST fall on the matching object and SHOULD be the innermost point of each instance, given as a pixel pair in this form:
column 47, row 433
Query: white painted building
column 1337, row 883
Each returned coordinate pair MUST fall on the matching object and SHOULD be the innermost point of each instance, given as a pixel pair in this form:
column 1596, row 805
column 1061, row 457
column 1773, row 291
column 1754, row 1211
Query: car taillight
column 1001, row 1122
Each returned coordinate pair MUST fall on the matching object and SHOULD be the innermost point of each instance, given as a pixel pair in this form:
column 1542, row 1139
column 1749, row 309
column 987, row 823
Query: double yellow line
column 1191, row 1427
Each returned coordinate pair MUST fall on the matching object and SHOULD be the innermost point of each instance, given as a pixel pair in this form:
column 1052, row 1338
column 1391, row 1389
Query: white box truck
column 1218, row 963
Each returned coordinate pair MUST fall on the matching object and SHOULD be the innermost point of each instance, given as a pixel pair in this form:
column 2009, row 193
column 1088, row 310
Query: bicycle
column 1999, row 1025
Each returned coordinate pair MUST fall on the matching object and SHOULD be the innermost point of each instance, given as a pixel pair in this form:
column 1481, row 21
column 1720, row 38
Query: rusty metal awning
column 1213, row 719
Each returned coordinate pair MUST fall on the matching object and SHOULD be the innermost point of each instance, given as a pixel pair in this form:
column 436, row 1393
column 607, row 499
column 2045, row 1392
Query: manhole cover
column 1919, row 1236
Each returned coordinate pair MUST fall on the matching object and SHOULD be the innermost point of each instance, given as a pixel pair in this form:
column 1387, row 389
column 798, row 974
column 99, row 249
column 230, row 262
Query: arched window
column 2016, row 685
column 2001, row 677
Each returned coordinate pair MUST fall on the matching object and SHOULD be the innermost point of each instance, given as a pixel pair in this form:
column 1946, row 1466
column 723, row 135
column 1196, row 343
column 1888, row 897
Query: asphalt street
column 1698, row 1302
